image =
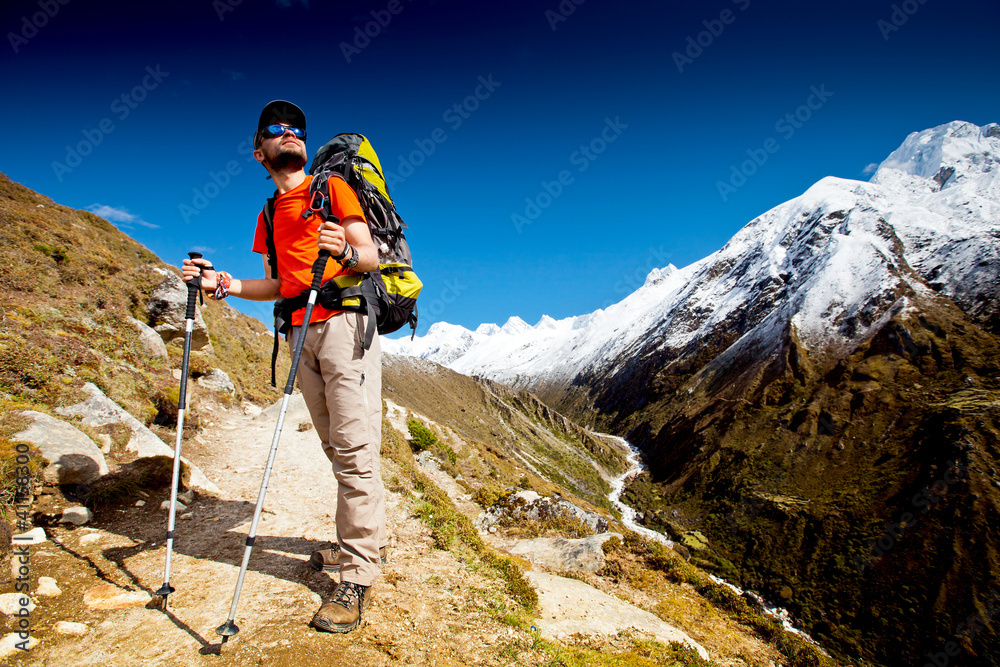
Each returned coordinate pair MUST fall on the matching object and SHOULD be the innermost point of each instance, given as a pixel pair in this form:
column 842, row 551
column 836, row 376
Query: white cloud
column 120, row 216
column 204, row 250
column 870, row 169
column 234, row 75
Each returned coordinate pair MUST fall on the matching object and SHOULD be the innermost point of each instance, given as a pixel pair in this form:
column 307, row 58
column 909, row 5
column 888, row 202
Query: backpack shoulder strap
column 272, row 255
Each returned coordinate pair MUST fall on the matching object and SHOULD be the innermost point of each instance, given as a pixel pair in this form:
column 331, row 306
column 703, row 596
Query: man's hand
column 332, row 237
column 209, row 280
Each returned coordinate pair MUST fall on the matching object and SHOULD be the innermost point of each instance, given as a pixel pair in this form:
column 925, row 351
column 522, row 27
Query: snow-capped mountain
column 832, row 263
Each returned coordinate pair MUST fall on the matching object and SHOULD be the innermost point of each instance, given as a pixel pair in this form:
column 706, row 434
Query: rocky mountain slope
column 819, row 398
column 89, row 360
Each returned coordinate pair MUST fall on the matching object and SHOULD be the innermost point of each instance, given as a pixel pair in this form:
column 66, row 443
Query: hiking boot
column 326, row 560
column 342, row 612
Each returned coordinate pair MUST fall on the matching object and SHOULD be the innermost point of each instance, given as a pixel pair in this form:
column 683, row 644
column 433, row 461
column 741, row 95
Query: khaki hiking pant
column 341, row 383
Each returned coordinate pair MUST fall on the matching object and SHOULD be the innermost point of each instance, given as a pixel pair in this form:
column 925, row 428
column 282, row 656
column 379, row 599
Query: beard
column 288, row 157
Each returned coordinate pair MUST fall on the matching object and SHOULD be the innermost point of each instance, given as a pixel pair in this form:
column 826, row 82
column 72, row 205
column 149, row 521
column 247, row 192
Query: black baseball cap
column 279, row 111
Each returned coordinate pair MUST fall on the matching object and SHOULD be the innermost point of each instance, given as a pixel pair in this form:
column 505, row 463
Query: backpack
column 388, row 295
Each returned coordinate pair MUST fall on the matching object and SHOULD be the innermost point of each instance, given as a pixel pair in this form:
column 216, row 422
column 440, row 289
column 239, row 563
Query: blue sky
column 545, row 154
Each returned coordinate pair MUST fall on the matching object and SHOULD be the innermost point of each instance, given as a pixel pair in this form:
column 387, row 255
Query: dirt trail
column 429, row 607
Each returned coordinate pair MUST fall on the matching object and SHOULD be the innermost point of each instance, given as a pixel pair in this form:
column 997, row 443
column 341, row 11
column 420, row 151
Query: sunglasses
column 277, row 129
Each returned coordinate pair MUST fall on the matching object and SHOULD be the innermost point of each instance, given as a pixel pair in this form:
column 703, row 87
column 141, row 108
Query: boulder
column 76, row 515
column 99, row 410
column 568, row 607
column 73, row 457
column 529, row 505
column 217, row 380
column 70, row 628
column 48, row 587
column 296, row 414
column 561, row 554
column 152, row 343
column 12, row 643
column 166, row 309
column 109, row 596
column 33, row 536
column 12, row 603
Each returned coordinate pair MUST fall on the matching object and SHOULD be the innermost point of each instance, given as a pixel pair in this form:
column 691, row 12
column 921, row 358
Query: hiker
column 340, row 380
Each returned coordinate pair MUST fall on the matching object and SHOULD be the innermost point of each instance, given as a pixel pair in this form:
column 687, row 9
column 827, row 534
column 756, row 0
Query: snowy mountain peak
column 546, row 323
column 656, row 275
column 515, row 325
column 487, row 329
column 946, row 154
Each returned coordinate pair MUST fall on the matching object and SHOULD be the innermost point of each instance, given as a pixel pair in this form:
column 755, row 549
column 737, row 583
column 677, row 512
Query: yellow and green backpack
column 388, row 295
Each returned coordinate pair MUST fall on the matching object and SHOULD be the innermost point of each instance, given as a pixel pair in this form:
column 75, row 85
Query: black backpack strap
column 272, row 254
column 272, row 261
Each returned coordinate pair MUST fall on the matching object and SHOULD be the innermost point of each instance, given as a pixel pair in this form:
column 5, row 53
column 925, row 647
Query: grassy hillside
column 70, row 282
column 516, row 438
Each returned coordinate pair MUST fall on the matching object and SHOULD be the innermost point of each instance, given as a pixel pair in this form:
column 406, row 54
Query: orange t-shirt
column 295, row 240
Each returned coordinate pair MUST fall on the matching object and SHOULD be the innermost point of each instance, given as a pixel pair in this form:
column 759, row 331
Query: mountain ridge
column 793, row 392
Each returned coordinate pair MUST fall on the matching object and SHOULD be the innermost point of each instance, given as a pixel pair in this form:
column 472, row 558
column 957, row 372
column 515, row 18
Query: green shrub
column 421, row 437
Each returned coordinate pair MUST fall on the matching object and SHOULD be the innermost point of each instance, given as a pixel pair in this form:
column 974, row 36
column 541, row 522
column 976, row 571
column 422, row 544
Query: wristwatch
column 353, row 261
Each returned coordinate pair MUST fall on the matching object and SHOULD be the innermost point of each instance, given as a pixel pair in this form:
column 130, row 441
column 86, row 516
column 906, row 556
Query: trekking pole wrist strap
column 223, row 282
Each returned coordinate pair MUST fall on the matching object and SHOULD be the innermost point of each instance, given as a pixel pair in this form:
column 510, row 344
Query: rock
column 73, row 457
column 33, row 536
column 296, row 414
column 529, row 505
column 558, row 554
column 152, row 343
column 12, row 603
column 108, row 596
column 568, row 607
column 47, row 587
column 187, row 497
column 90, row 539
column 188, row 515
column 69, row 628
column 76, row 516
column 217, row 380
column 99, row 410
column 12, row 643
column 166, row 309
column 165, row 506
column 140, row 503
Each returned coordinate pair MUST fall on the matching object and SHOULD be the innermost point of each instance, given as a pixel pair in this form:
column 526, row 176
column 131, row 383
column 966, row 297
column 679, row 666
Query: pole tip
column 165, row 590
column 227, row 629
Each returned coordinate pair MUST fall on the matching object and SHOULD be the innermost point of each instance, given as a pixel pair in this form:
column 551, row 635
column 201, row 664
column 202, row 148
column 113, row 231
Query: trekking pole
column 194, row 290
column 229, row 628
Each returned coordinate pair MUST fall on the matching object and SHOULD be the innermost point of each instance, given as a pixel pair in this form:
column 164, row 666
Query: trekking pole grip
column 194, row 287
column 318, row 268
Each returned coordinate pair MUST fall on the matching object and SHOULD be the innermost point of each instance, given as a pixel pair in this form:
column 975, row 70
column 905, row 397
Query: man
column 340, row 380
